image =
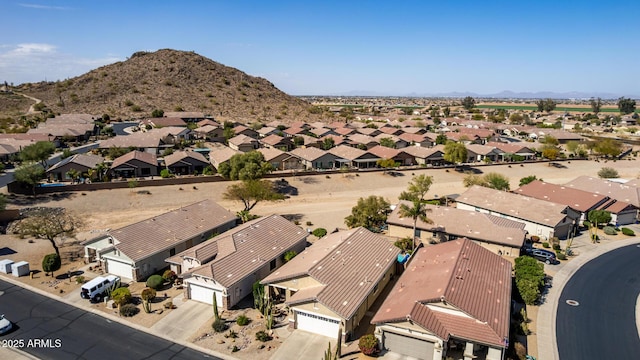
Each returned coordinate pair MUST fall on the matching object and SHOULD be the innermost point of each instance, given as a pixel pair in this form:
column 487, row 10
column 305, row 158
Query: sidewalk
column 182, row 321
column 546, row 321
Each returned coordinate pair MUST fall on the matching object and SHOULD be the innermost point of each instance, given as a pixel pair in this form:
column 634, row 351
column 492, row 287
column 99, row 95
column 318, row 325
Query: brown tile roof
column 368, row 131
column 384, row 152
column 417, row 138
column 347, row 152
column 514, row 148
column 483, row 149
column 206, row 122
column 242, row 139
column 26, row 137
column 184, row 156
column 145, row 157
column 220, row 154
column 148, row 237
column 87, row 160
column 363, row 139
column 138, row 139
column 622, row 192
column 185, row 114
column 294, row 131
column 424, row 152
column 576, row 199
column 270, row 153
column 320, row 131
column 344, row 131
column 514, row 205
column 274, row 140
column 308, row 153
column 463, row 223
column 465, row 276
column 204, row 129
column 246, row 248
column 617, row 207
column 348, row 264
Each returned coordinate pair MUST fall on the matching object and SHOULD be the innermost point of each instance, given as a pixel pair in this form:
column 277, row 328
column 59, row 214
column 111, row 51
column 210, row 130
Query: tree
column 298, row 141
column 147, row 296
column 441, row 139
column 245, row 166
column 550, row 152
column 38, row 152
column 328, row 143
column 608, row 147
column 121, row 296
column 386, row 164
column 3, row 202
column 29, row 175
column 468, row 103
column 370, row 212
column 388, row 142
column 157, row 113
column 596, row 104
column 626, row 106
column 251, row 192
column 53, row 224
column 73, row 174
column 527, row 179
column 417, row 211
column 418, row 188
column 597, row 217
column 446, row 111
column 529, row 278
column 228, row 133
column 455, row 152
column 51, row 263
column 549, row 140
column 608, row 173
column 497, row 181
column 546, row 105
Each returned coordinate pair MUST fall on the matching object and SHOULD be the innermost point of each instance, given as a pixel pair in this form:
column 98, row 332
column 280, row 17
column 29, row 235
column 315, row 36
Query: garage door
column 204, row 294
column 405, row 345
column 317, row 324
column 119, row 269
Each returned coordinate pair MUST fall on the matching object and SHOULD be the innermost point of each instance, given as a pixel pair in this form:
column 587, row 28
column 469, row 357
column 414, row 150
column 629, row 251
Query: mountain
column 170, row 80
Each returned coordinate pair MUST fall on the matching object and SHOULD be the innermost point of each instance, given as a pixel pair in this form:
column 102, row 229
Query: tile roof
column 417, row 138
column 270, row 153
column 622, row 192
column 185, row 114
column 347, row 152
column 362, row 139
column 87, row 160
column 220, row 154
column 348, row 264
column 344, row 131
column 514, row 205
column 246, row 248
column 308, row 153
column 145, row 157
column 242, row 139
column 424, row 152
column 206, row 122
column 463, row 223
column 384, row 152
column 482, row 149
column 275, row 140
column 148, row 237
column 463, row 275
column 514, row 148
column 576, row 199
column 204, row 129
column 139, row 139
column 186, row 156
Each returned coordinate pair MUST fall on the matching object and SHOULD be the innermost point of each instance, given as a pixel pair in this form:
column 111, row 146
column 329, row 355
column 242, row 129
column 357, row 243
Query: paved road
column 603, row 325
column 81, row 334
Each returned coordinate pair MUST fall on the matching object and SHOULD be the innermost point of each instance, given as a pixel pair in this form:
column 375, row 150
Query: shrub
column 556, row 246
column 242, row 320
column 309, row 223
column 165, row 173
column 521, row 351
column 608, row 173
column 235, row 348
column 51, row 263
column 403, row 244
column 262, row 336
column 529, row 278
column 609, row 230
column 319, row 232
column 219, row 325
column 628, row 232
column 561, row 256
column 169, row 305
column 231, row 335
column 524, row 328
column 368, row 344
column 595, row 237
column 155, row 281
column 128, row 310
column 169, row 276
column 586, row 223
column 148, row 294
column 545, row 245
column 289, row 255
column 121, row 296
column 80, row 280
column 535, row 238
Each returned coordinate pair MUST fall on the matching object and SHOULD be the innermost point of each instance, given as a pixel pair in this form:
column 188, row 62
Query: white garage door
column 318, row 324
column 119, row 269
column 204, row 294
column 405, row 345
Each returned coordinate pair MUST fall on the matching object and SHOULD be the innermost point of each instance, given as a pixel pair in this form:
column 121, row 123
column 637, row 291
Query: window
column 172, row 252
column 145, row 171
column 272, row 264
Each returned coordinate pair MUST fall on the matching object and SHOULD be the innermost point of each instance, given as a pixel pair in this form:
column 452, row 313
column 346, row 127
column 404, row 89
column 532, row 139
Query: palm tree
column 417, row 211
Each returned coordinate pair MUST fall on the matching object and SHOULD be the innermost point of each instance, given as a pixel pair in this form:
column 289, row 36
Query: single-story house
column 316, row 159
column 220, row 155
column 163, row 122
column 331, row 285
column 398, row 155
column 229, row 264
column 186, row 162
column 432, row 156
column 541, row 218
column 243, row 143
column 209, row 132
column 139, row 250
column 453, row 300
column 496, row 234
column 520, row 149
column 354, row 157
column 278, row 142
column 79, row 162
column 135, row 164
column 476, row 153
column 281, row 160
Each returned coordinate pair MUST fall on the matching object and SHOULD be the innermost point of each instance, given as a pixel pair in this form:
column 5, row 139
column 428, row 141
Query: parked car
column 5, row 325
column 546, row 256
column 96, row 289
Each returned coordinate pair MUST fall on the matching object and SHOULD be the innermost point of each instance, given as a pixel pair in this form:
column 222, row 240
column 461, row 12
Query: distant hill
column 170, row 80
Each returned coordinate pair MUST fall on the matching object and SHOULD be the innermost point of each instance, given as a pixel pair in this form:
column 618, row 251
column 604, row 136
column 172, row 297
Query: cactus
column 216, row 316
column 268, row 314
column 147, row 295
column 332, row 355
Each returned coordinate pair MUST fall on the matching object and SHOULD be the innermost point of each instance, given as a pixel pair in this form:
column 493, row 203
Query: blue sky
column 336, row 47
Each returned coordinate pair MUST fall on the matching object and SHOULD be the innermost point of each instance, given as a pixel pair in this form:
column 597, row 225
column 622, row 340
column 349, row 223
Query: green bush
column 545, row 245
column 368, row 344
column 155, row 281
column 319, row 232
column 80, row 280
column 586, row 223
column 262, row 336
column 219, row 325
column 561, row 256
column 610, row 230
column 231, row 335
column 628, row 232
column 529, row 278
column 51, row 263
column 556, row 246
column 165, row 173
column 121, row 296
column 242, row 320
column 128, row 310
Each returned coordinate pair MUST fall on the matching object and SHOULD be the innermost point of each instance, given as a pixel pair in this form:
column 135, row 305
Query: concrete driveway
column 182, row 322
column 303, row 345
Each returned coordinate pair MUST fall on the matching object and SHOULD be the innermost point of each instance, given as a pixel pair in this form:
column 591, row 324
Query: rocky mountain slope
column 170, row 80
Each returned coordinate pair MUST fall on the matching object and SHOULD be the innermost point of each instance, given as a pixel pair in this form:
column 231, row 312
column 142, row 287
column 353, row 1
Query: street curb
column 546, row 325
column 116, row 319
